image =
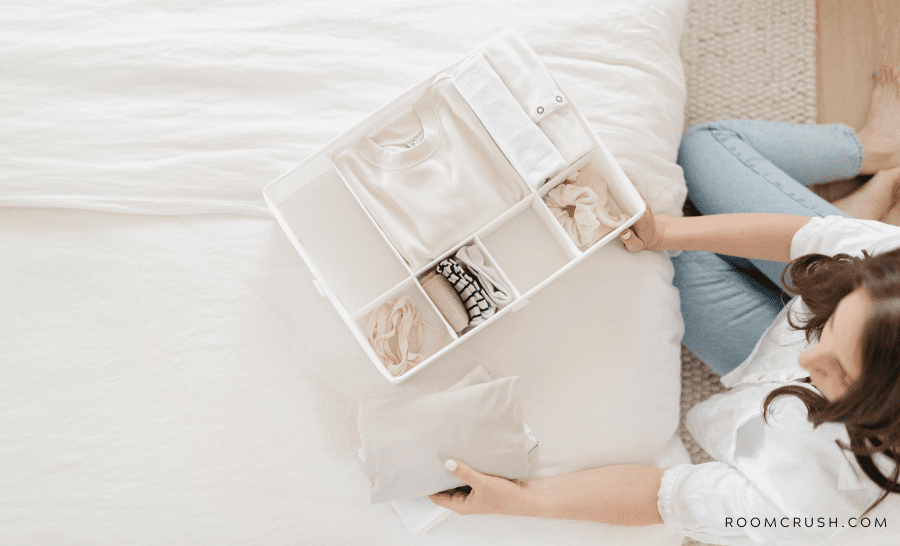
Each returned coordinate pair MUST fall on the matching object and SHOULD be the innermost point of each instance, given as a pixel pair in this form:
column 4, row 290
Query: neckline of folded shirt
column 399, row 159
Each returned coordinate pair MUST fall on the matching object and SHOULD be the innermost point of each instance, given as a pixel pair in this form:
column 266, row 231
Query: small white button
column 540, row 109
column 558, row 98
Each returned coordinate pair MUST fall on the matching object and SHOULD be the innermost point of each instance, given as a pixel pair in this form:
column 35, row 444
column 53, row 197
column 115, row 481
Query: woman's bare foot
column 874, row 200
column 892, row 216
column 880, row 136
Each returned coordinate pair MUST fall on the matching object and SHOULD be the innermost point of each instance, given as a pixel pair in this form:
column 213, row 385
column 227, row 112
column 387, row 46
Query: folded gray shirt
column 407, row 441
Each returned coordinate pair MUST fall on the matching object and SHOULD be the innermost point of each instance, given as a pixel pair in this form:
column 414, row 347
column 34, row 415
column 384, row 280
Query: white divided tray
column 357, row 268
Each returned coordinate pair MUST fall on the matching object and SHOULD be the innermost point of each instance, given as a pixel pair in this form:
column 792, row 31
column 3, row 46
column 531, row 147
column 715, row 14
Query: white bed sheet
column 177, row 379
column 171, row 107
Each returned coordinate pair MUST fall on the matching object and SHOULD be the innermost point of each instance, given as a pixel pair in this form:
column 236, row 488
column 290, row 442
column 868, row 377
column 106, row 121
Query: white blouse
column 783, row 483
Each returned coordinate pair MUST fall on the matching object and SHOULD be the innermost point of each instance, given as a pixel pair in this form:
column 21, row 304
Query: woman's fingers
column 455, row 499
column 452, row 499
column 631, row 241
column 464, row 472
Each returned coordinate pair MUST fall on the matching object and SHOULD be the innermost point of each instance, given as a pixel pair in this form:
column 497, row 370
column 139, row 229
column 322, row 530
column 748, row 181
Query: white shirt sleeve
column 836, row 234
column 716, row 503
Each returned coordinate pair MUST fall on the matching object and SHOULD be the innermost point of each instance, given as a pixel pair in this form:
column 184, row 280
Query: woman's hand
column 645, row 234
column 488, row 494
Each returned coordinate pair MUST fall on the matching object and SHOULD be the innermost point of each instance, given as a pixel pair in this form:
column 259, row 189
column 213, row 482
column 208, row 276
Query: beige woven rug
column 747, row 59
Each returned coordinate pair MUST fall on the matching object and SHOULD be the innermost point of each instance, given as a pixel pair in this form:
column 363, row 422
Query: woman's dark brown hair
column 870, row 408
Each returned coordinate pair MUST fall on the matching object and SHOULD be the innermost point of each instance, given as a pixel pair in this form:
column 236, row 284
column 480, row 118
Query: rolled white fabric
column 533, row 87
column 524, row 144
column 495, row 290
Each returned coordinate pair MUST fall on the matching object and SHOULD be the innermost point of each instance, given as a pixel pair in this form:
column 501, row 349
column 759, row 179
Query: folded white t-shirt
column 433, row 176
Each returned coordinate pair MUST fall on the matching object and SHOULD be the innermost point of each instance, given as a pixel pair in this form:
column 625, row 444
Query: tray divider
column 510, row 213
column 561, row 177
column 552, row 224
column 374, row 223
column 516, row 294
column 369, row 307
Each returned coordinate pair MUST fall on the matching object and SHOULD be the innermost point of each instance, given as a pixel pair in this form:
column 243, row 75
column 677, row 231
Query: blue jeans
column 750, row 166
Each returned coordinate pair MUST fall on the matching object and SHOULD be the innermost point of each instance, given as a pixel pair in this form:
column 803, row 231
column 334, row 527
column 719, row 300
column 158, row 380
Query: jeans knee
column 701, row 134
column 695, row 143
column 697, row 132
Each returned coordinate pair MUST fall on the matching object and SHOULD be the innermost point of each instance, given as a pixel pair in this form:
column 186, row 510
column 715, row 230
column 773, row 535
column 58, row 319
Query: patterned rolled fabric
column 495, row 290
column 469, row 289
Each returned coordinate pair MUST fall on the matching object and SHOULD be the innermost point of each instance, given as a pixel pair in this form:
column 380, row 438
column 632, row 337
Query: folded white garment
column 533, row 87
column 431, row 177
column 406, row 442
column 419, row 514
column 495, row 290
column 523, row 143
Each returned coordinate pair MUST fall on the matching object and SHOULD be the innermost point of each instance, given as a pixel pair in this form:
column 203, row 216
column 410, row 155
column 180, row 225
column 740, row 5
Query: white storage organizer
column 357, row 268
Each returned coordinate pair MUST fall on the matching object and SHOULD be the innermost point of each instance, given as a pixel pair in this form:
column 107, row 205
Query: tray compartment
column 427, row 312
column 528, row 247
column 614, row 182
column 489, row 260
column 355, row 262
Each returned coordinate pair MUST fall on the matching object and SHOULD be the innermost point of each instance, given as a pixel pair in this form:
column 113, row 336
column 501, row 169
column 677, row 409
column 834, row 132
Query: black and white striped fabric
column 469, row 289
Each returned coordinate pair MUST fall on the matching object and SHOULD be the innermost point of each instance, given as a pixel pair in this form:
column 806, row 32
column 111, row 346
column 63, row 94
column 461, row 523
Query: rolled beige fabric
column 574, row 208
column 446, row 300
column 590, row 177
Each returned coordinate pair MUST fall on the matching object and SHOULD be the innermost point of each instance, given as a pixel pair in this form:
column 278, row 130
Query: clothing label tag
column 414, row 142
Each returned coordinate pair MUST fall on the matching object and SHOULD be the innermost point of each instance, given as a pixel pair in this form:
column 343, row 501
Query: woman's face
column 836, row 362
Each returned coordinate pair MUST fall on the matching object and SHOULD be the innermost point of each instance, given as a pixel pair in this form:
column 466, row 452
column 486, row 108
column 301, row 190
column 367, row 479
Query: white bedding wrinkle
column 173, row 108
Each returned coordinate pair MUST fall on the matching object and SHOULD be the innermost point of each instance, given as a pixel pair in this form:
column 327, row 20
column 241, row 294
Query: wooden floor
column 853, row 38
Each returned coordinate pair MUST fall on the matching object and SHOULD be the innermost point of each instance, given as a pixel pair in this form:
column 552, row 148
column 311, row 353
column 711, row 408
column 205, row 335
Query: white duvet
column 171, row 376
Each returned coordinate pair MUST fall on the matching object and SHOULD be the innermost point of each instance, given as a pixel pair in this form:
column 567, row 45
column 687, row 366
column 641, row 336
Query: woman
column 808, row 436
